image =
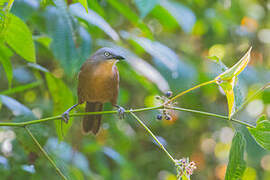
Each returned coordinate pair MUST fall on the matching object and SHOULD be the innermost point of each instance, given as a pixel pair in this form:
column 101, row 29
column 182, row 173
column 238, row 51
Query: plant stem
column 155, row 138
column 188, row 90
column 59, row 117
column 45, row 154
column 212, row 114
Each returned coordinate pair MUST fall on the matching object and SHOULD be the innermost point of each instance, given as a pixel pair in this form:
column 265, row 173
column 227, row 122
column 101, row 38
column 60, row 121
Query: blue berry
column 168, row 94
column 168, row 117
column 159, row 117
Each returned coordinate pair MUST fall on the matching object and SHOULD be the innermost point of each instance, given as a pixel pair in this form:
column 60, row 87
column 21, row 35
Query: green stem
column 45, row 154
column 188, row 90
column 212, row 114
column 59, row 117
column 155, row 138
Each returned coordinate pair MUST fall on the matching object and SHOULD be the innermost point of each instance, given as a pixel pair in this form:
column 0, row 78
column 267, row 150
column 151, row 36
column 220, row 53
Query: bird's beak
column 119, row 57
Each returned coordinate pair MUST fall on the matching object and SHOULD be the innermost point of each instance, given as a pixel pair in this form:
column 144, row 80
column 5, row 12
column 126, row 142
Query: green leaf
column 62, row 100
column 131, row 16
column 182, row 14
column 93, row 18
column 21, row 88
column 228, row 79
column 262, row 132
column 19, row 38
column 85, row 5
column 237, row 164
column 236, row 69
column 44, row 40
column 145, row 6
column 5, row 54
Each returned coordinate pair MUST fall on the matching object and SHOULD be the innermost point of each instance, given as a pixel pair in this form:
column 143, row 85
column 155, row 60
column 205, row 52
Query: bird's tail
column 91, row 123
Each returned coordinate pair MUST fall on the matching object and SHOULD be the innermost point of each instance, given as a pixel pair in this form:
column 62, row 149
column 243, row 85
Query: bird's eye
column 106, row 53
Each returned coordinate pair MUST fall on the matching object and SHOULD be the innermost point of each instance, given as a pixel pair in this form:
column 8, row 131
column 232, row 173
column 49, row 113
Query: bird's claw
column 65, row 117
column 121, row 112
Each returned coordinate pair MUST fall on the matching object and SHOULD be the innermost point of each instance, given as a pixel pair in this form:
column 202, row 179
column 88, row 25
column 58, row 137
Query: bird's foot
column 121, row 112
column 65, row 116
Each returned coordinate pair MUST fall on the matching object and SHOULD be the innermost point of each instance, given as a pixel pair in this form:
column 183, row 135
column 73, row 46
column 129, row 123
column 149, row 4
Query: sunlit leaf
column 44, row 40
column 5, row 54
column 141, row 66
column 131, row 16
column 145, row 6
column 237, row 164
column 236, row 69
column 227, row 87
column 62, row 100
column 228, row 79
column 93, row 18
column 182, row 14
column 19, row 38
column 84, row 3
column 262, row 132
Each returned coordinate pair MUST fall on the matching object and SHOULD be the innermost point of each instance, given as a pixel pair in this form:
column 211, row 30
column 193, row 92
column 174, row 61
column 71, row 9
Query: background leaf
column 262, row 132
column 5, row 54
column 145, row 6
column 93, row 18
column 183, row 15
column 84, row 3
column 131, row 16
column 19, row 38
column 237, row 164
column 62, row 100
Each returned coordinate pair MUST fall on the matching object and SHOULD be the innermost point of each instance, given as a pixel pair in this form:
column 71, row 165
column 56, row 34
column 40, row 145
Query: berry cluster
column 184, row 167
column 164, row 112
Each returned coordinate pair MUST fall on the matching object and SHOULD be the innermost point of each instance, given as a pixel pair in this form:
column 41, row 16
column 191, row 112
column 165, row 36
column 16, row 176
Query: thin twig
column 155, row 138
column 212, row 114
column 188, row 90
column 45, row 154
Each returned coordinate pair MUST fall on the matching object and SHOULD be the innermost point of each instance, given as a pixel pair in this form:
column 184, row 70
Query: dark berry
column 168, row 94
column 168, row 117
column 159, row 117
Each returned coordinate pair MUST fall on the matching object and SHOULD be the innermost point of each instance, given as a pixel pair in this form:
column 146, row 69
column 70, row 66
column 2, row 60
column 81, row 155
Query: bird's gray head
column 106, row 53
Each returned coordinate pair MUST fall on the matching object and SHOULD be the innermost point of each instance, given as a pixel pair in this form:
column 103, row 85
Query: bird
column 98, row 83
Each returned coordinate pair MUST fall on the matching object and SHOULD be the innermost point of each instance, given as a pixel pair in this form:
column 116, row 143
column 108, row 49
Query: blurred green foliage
column 167, row 44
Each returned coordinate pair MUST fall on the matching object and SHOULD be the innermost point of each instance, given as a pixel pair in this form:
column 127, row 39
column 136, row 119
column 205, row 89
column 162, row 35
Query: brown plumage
column 98, row 84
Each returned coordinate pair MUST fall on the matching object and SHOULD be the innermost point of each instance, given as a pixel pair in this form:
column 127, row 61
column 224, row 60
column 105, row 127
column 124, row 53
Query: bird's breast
column 98, row 83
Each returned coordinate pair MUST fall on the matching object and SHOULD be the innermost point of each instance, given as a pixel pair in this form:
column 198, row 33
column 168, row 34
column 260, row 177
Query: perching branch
column 59, row 117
